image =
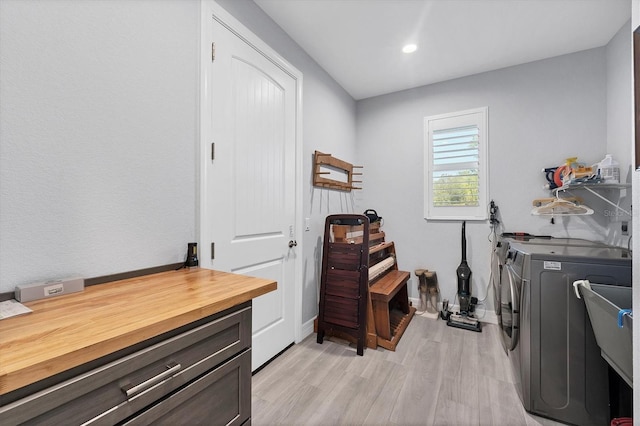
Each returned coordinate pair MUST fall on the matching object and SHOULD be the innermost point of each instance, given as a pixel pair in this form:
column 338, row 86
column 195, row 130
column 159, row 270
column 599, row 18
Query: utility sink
column 609, row 309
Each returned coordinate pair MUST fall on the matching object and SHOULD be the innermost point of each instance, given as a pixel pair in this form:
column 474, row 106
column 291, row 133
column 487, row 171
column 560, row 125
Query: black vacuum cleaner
column 464, row 318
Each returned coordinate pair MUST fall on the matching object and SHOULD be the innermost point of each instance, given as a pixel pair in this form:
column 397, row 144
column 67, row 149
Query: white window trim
column 479, row 117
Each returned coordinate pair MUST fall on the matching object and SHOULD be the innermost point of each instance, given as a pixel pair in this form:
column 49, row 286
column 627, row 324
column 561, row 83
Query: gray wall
column 539, row 114
column 620, row 99
column 619, row 126
column 98, row 130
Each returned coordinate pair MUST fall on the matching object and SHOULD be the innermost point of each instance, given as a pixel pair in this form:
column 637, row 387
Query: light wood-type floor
column 438, row 375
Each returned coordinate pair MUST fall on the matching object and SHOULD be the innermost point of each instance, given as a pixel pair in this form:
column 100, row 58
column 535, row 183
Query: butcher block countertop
column 67, row 331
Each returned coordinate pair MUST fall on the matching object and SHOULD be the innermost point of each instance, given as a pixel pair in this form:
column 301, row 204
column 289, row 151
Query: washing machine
column 500, row 250
column 556, row 362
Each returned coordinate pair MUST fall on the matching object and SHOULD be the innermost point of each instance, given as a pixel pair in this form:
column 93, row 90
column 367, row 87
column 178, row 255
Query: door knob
column 293, row 243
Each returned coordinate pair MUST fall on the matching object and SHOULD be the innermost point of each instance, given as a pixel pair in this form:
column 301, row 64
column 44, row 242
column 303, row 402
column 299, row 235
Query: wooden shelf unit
column 388, row 311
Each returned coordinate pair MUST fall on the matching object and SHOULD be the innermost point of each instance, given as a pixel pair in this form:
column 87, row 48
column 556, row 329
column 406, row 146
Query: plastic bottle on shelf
column 609, row 170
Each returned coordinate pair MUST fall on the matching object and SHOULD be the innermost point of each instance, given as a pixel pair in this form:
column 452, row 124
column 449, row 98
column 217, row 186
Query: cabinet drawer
column 118, row 389
column 221, row 397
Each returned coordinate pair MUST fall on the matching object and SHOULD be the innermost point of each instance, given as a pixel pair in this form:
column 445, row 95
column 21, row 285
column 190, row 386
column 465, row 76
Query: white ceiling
column 358, row 42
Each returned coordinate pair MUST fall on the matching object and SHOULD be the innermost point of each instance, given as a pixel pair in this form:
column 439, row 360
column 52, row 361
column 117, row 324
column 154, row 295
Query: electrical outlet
column 41, row 290
column 307, row 224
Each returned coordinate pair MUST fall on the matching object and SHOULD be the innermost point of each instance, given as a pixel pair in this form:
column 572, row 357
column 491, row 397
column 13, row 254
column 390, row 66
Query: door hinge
column 213, row 51
column 213, row 250
column 213, row 151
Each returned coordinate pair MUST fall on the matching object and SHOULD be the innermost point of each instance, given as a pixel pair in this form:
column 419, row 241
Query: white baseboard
column 488, row 316
column 306, row 329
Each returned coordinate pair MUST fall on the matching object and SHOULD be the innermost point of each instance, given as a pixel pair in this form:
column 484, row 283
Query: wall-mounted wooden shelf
column 324, row 164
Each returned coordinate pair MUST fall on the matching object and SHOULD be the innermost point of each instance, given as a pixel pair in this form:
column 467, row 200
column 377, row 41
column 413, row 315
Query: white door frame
column 208, row 10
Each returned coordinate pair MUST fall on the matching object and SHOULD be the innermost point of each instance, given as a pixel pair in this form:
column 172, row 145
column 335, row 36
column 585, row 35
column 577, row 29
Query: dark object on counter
column 192, row 255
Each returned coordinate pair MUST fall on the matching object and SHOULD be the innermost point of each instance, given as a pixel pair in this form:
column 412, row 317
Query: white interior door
column 249, row 194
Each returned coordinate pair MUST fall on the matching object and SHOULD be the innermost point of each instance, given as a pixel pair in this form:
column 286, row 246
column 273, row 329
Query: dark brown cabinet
column 197, row 374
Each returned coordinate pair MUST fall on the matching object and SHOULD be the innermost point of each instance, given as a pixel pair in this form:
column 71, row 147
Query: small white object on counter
column 11, row 308
column 35, row 291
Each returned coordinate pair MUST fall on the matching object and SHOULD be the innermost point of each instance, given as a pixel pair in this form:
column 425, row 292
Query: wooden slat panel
column 343, row 283
column 341, row 311
column 387, row 286
column 381, row 246
column 344, row 256
column 375, row 239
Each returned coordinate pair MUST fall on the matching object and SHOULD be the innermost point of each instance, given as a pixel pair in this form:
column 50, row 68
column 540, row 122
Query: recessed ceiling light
column 409, row 48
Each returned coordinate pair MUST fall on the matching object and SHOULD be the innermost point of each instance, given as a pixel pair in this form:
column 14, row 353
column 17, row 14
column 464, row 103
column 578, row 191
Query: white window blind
column 456, row 165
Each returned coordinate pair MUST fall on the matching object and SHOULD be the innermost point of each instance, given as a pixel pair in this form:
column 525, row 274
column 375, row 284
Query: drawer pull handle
column 172, row 369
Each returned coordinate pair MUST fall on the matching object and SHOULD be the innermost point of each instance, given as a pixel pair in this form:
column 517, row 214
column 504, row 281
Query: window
column 456, row 165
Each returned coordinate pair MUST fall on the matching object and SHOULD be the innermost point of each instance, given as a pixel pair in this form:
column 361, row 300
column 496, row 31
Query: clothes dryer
column 500, row 280
column 556, row 362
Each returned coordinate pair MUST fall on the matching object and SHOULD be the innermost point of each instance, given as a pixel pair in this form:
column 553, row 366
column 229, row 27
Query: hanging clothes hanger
column 561, row 207
column 538, row 202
